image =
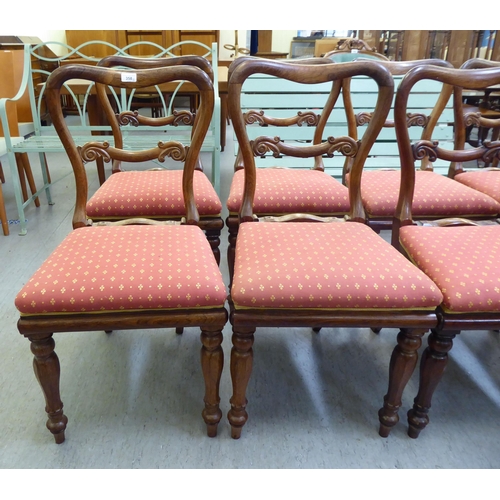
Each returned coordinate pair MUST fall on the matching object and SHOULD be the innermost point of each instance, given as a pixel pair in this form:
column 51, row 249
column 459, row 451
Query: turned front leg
column 212, row 361
column 241, row 369
column 432, row 367
column 47, row 371
column 403, row 362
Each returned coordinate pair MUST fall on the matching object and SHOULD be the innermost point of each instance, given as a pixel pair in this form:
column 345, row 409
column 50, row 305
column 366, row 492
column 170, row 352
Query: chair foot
column 235, row 432
column 317, row 329
column 384, row 431
column 179, row 330
column 376, row 330
column 108, row 331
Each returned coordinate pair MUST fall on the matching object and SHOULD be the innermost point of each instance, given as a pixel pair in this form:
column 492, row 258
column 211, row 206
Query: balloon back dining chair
column 459, row 255
column 127, row 275
column 303, row 270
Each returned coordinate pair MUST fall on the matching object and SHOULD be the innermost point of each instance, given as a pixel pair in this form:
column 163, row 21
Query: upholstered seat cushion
column 152, row 193
column 343, row 265
column 284, row 190
column 99, row 269
column 435, row 195
column 486, row 181
column 462, row 261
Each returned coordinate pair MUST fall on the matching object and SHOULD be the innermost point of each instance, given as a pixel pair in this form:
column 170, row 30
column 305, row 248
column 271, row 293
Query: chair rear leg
column 213, row 237
column 432, row 366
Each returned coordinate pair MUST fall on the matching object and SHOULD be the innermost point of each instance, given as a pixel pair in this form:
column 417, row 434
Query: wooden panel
column 206, row 37
column 121, row 38
column 458, row 50
column 265, row 40
column 8, row 88
column 325, row 45
column 22, row 105
column 414, row 45
column 75, row 38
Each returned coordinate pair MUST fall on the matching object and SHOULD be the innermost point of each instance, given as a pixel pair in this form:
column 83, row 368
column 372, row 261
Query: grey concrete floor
column 134, row 398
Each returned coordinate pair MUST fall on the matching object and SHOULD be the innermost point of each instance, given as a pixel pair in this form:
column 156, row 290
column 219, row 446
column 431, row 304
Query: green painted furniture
column 86, row 125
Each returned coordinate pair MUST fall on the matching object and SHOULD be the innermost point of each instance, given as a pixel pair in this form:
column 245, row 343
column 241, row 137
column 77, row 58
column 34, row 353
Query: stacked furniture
column 80, row 97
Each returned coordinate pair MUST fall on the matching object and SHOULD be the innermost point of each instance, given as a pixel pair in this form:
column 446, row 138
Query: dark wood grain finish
column 40, row 328
column 245, row 320
column 440, row 341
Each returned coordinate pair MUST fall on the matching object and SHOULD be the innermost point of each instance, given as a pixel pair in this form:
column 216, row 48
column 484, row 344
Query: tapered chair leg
column 241, row 369
column 212, row 361
column 47, row 371
column 432, row 367
column 403, row 362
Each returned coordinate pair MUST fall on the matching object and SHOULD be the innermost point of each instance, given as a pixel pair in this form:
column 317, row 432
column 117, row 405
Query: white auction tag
column 129, row 77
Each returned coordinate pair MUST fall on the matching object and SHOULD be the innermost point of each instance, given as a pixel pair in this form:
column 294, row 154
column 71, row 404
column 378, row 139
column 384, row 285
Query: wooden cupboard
column 122, row 38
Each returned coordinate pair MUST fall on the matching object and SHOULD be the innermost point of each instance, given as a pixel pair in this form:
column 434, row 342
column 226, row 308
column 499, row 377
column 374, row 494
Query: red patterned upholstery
column 154, row 194
column 462, row 261
column 283, row 191
column 128, row 268
column 435, row 195
column 328, row 266
column 486, row 181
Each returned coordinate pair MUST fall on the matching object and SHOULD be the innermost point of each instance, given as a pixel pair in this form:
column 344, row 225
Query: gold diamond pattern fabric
column 486, row 181
column 343, row 265
column 285, row 190
column 154, row 194
column 462, row 261
column 100, row 269
column 435, row 195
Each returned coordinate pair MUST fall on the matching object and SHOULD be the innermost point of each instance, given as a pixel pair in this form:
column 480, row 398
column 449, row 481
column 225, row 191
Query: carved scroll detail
column 252, row 116
column 363, row 118
column 472, row 119
column 263, row 145
column 308, row 118
column 424, row 149
column 412, row 120
column 416, row 119
column 174, row 150
column 492, row 151
column 487, row 152
column 182, row 117
column 128, row 118
column 345, row 145
column 93, row 150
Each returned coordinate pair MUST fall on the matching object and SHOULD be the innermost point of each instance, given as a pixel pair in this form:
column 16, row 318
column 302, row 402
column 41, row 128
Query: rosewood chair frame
column 39, row 327
column 413, row 323
column 233, row 220
column 481, row 120
column 212, row 225
column 428, row 124
column 450, row 323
